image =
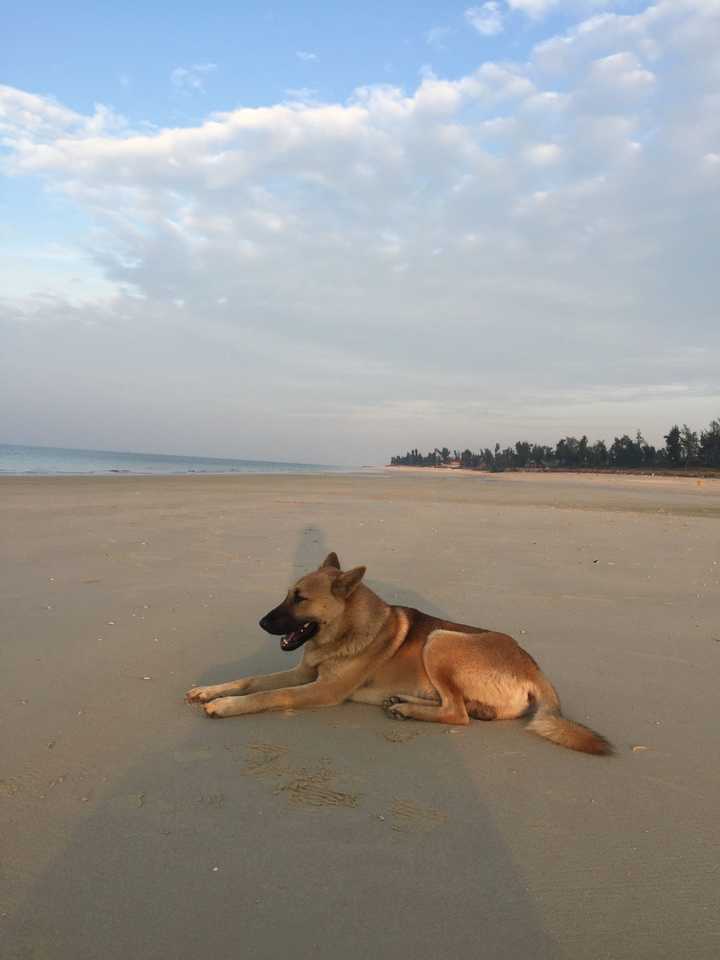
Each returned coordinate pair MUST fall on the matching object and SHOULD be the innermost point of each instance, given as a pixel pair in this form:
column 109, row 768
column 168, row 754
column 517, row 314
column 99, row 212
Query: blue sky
column 124, row 54
column 463, row 222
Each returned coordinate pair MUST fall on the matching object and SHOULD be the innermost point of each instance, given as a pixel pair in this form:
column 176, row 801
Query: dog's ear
column 344, row 584
column 331, row 560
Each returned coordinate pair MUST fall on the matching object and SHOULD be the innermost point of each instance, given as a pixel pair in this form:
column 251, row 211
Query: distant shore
column 692, row 473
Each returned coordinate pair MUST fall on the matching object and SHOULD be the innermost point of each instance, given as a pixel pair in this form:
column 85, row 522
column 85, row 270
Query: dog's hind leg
column 451, row 708
column 438, row 660
column 406, row 698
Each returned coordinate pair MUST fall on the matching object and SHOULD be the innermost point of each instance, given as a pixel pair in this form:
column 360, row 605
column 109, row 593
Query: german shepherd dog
column 359, row 648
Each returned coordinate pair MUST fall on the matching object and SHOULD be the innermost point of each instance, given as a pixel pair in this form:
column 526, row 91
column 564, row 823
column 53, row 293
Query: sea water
column 56, row 460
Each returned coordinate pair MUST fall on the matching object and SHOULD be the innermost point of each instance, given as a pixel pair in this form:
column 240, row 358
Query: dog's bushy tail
column 549, row 722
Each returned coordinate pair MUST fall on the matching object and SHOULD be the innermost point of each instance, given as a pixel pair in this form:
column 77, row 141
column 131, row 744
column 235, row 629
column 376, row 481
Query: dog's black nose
column 264, row 623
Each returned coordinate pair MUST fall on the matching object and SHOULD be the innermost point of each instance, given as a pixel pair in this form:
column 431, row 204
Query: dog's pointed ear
column 344, row 585
column 331, row 560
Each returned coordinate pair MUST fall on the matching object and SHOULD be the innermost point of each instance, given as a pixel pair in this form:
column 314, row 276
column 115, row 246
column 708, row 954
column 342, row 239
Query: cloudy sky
column 329, row 232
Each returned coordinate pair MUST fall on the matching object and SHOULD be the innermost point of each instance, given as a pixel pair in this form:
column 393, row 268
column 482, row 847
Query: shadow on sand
column 333, row 834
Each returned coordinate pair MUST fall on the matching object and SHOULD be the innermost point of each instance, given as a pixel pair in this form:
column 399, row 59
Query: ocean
column 50, row 461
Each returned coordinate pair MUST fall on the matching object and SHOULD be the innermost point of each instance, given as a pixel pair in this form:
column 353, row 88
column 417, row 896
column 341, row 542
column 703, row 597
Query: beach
column 134, row 827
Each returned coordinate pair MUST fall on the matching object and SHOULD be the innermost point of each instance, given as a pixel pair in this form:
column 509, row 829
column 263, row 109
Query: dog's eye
column 298, row 598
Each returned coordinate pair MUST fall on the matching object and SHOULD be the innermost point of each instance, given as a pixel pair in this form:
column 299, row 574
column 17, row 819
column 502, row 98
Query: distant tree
column 710, row 445
column 567, row 451
column 598, row 454
column 649, row 455
column 682, row 448
column 645, row 451
column 626, row 452
column 499, row 459
column 540, row 454
column 690, row 446
column 673, row 447
column 523, row 453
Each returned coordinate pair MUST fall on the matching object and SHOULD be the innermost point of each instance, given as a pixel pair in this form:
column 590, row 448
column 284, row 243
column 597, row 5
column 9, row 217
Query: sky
column 330, row 232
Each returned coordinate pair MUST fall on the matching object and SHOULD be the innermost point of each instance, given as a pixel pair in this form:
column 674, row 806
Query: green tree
column 690, row 446
column 598, row 454
column 522, row 454
column 626, row 452
column 710, row 445
column 673, row 447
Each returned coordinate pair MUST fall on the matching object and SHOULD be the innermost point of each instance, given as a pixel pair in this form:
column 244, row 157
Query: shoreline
column 549, row 473
column 385, row 470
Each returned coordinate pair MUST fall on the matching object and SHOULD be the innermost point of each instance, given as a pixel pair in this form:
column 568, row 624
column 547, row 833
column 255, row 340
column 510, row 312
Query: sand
column 133, row 827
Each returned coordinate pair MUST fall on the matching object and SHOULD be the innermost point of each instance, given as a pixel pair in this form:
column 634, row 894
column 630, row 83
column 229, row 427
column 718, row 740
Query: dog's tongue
column 295, row 638
column 289, row 639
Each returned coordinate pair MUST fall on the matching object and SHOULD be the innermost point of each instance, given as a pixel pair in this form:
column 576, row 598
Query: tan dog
column 359, row 648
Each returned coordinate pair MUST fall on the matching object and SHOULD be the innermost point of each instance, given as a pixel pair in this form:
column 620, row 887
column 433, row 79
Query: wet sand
column 131, row 826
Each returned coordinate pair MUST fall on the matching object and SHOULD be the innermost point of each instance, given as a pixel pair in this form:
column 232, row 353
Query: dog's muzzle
column 294, row 633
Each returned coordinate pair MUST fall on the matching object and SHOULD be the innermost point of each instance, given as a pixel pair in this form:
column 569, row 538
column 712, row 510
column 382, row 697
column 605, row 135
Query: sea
column 52, row 461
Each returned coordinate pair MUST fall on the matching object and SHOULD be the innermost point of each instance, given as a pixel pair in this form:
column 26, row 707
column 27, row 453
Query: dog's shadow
column 310, row 551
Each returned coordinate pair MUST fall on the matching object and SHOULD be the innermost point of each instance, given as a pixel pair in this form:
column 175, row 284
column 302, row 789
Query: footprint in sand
column 315, row 790
column 265, row 760
column 410, row 817
column 302, row 787
column 400, row 736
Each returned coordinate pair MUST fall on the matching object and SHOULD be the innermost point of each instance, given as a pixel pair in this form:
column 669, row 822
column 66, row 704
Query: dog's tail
column 549, row 722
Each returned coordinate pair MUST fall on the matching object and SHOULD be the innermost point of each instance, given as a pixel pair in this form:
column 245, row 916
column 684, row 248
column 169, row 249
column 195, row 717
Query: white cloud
column 526, row 238
column 622, row 70
column 533, row 8
column 192, row 79
column 305, row 55
column 487, row 19
column 544, row 154
column 538, row 9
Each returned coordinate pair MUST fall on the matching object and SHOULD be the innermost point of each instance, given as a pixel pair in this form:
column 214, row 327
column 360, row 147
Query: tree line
column 684, row 448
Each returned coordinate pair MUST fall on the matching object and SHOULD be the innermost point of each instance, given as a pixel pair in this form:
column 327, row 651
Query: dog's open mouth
column 298, row 637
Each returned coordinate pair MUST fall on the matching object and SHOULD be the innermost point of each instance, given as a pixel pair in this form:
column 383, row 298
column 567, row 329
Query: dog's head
column 317, row 600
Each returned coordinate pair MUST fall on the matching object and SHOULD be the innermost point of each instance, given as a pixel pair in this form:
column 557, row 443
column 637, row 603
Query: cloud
column 305, row 55
column 533, row 8
column 192, row 79
column 487, row 19
column 539, row 9
column 544, row 154
column 527, row 248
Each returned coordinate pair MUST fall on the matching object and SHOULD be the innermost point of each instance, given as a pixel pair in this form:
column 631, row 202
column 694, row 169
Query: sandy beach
column 133, row 827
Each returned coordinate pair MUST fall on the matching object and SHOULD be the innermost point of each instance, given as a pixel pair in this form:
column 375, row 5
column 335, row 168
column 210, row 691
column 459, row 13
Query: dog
column 418, row 667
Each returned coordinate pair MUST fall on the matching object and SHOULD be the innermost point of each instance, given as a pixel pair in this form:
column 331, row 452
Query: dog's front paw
column 199, row 695
column 219, row 708
column 394, row 708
